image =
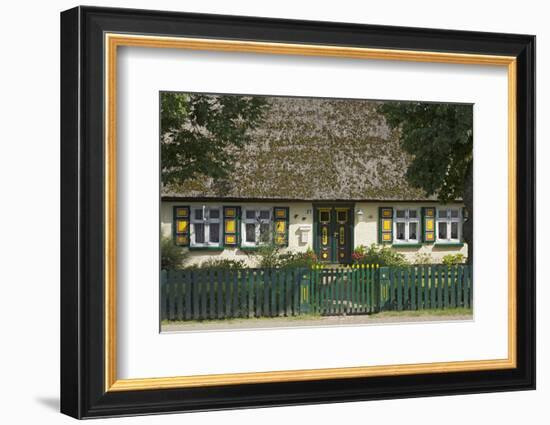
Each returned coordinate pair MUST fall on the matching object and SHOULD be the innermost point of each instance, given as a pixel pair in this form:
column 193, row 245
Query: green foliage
column 273, row 257
column 198, row 129
column 423, row 258
column 440, row 139
column 172, row 257
column 383, row 256
column 453, row 260
column 297, row 260
column 219, row 263
column 268, row 256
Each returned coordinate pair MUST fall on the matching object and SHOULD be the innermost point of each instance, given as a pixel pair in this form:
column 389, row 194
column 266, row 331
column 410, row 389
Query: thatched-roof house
column 325, row 174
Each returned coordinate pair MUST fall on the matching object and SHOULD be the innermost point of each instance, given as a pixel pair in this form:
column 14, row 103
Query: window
column 256, row 226
column 449, row 225
column 406, row 225
column 205, row 226
column 324, row 216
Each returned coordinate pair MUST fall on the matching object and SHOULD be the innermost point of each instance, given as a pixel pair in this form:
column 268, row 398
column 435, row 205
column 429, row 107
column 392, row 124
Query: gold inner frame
column 113, row 41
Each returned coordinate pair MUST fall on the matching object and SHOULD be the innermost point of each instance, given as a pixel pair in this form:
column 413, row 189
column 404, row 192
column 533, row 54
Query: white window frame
column 407, row 220
column 448, row 220
column 206, row 220
column 257, row 221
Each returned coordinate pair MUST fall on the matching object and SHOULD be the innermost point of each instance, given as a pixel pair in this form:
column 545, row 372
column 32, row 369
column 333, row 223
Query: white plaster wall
column 300, row 220
column 366, row 225
column 366, row 232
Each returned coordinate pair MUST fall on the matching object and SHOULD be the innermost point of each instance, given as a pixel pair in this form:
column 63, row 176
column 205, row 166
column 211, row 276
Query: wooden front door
column 333, row 236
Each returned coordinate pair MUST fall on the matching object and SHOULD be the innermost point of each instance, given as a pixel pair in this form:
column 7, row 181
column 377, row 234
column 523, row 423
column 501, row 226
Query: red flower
column 356, row 256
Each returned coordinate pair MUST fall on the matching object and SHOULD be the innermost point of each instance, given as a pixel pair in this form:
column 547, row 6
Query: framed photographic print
column 261, row 212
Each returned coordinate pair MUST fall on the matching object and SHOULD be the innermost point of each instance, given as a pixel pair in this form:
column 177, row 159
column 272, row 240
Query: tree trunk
column 468, row 228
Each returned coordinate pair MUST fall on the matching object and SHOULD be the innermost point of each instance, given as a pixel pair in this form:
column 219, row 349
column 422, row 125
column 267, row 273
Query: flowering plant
column 374, row 254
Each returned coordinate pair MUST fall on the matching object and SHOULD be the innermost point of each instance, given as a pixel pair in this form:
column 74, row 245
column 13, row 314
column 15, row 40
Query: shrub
column 273, row 257
column 423, row 258
column 172, row 257
column 297, row 260
column 268, row 256
column 219, row 263
column 216, row 263
column 453, row 260
column 384, row 256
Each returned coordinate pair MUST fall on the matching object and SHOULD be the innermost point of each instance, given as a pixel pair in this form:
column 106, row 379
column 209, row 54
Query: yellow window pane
column 280, row 212
column 386, row 212
column 230, row 239
column 429, row 225
column 182, row 240
column 429, row 212
column 386, row 237
column 430, row 236
column 386, row 224
column 280, row 226
column 230, row 212
column 182, row 212
column 182, row 226
column 230, row 226
column 280, row 240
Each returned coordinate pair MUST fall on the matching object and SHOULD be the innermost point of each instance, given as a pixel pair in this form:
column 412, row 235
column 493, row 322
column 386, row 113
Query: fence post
column 372, row 282
column 164, row 294
column 180, row 291
column 305, row 296
column 188, row 289
column 413, row 287
column 427, row 270
column 242, row 284
column 384, row 279
column 459, row 297
column 312, row 289
column 250, row 292
column 453, row 286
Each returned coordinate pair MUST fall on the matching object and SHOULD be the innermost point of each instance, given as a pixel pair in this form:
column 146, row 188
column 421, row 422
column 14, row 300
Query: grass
column 244, row 319
column 403, row 313
column 461, row 311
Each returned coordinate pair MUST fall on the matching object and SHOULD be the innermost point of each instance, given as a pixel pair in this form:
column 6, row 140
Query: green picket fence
column 329, row 291
column 344, row 290
column 425, row 287
column 223, row 294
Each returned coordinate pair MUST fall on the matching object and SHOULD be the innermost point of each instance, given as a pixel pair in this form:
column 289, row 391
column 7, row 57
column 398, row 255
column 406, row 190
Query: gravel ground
column 267, row 323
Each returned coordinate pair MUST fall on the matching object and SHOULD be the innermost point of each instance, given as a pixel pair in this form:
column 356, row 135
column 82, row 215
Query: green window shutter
column 231, row 225
column 280, row 218
column 385, row 225
column 428, row 224
column 463, row 218
column 180, row 224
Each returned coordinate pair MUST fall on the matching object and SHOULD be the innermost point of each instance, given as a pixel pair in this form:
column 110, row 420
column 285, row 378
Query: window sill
column 449, row 244
column 206, row 248
column 406, row 245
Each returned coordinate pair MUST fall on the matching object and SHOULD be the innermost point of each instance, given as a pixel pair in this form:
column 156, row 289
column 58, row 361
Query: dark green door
column 333, row 238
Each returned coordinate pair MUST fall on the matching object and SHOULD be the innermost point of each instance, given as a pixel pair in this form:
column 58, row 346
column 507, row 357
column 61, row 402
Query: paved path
column 266, row 323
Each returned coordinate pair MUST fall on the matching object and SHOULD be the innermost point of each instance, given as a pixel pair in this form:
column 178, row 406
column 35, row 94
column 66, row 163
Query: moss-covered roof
column 315, row 149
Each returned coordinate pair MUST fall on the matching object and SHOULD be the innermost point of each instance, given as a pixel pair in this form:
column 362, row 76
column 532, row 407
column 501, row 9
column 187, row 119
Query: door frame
column 351, row 227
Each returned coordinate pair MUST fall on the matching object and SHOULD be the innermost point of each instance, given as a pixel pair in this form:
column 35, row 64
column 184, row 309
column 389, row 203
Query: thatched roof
column 315, row 149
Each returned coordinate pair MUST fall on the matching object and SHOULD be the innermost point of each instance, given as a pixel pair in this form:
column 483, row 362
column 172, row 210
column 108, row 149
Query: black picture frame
column 82, row 212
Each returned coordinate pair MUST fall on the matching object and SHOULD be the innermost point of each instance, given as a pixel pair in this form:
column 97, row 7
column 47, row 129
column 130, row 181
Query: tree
column 439, row 138
column 197, row 130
